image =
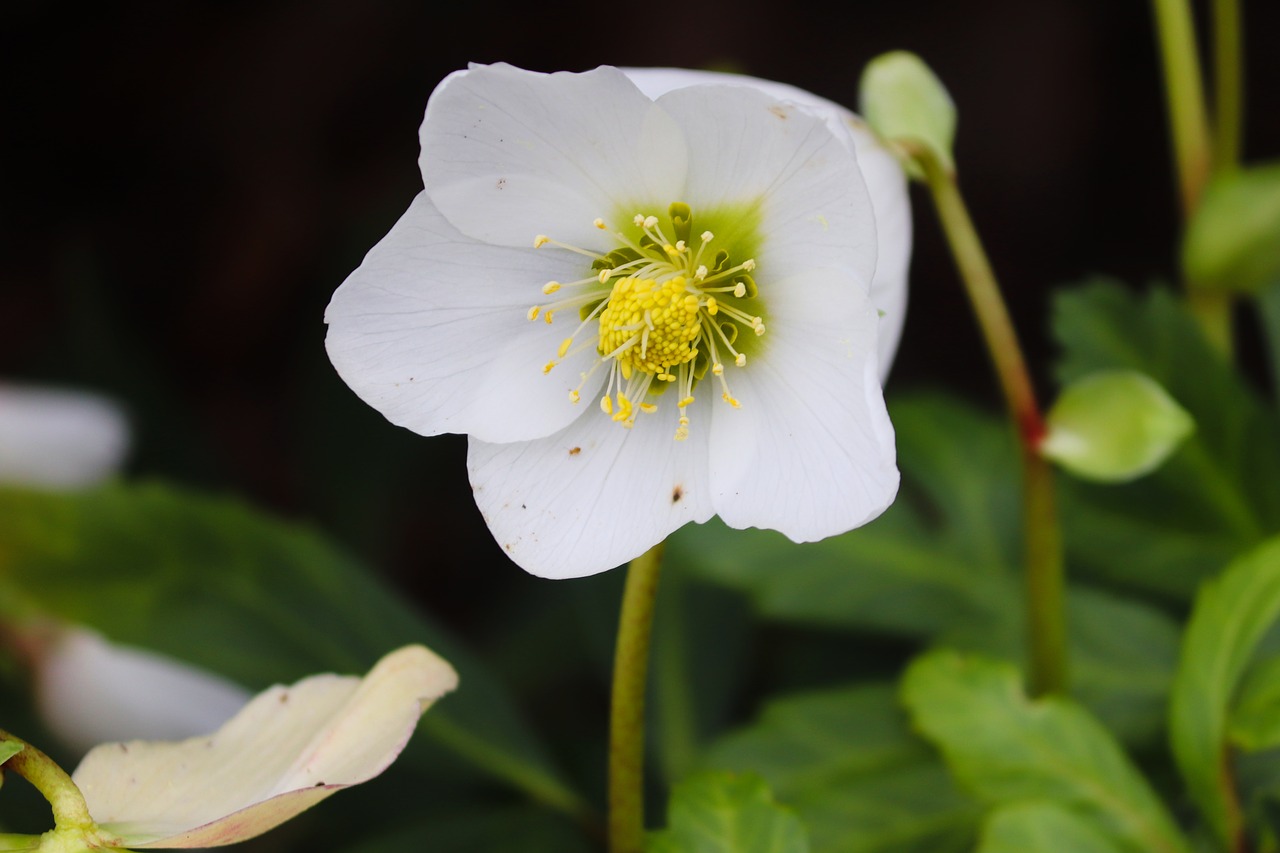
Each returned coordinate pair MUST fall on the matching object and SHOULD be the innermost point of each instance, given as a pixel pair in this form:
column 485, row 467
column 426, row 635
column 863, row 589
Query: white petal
column 509, row 154
column 886, row 184
column 63, row 439
column 746, row 146
column 89, row 691
column 811, row 451
column 595, row 495
column 288, row 749
column 432, row 331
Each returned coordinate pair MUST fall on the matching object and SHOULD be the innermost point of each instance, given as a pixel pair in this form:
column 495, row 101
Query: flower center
column 667, row 306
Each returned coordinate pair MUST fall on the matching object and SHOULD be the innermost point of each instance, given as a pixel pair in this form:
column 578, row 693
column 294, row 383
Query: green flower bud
column 1233, row 240
column 1114, row 426
column 903, row 100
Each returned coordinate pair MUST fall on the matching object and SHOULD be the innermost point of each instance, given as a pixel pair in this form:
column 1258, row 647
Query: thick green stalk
column 69, row 808
column 626, row 721
column 1041, row 531
column 1184, row 92
column 1228, row 88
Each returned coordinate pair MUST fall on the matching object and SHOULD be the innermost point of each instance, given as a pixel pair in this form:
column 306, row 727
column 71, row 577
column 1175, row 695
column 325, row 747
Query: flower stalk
column 69, row 808
column 626, row 722
column 1189, row 127
column 1228, row 90
column 1042, row 532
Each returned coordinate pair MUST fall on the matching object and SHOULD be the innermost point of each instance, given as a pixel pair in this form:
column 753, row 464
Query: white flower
column 89, row 690
column 59, row 438
column 707, row 236
column 288, row 749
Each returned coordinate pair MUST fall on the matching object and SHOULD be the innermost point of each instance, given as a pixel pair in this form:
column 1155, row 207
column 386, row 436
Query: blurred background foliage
column 185, row 186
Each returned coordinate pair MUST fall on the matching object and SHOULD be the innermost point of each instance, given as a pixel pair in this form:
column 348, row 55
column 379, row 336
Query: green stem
column 1042, row 534
column 626, row 722
column 1228, row 60
column 1184, row 93
column 69, row 808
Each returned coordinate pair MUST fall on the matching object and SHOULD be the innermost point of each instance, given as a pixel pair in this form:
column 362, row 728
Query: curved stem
column 1046, row 613
column 69, row 808
column 1228, row 61
column 1184, row 93
column 626, row 721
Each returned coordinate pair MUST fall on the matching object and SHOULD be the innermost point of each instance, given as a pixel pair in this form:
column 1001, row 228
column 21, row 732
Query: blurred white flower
column 89, row 690
column 59, row 438
column 694, row 254
column 285, row 751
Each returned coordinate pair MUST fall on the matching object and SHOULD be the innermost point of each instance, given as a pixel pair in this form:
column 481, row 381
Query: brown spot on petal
column 677, row 493
column 780, row 112
column 574, row 451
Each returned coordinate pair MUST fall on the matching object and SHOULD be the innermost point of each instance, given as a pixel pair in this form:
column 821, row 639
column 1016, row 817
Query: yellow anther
column 739, row 290
column 648, row 408
column 749, row 264
column 740, row 360
column 550, row 287
column 687, row 401
column 717, row 369
column 546, row 368
column 671, row 250
column 533, row 313
column 564, row 348
column 599, row 223
column 732, row 401
column 712, row 307
column 606, row 405
column 540, row 241
column 603, row 276
column 574, row 396
column 547, row 316
column 666, row 377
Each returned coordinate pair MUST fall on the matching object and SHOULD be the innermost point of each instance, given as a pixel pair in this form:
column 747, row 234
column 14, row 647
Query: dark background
column 184, row 187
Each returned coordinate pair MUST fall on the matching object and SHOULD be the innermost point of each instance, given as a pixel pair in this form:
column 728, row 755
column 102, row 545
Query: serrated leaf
column 1007, row 749
column 1231, row 615
column 1032, row 827
column 214, row 583
column 860, row 780
column 1207, row 504
column 727, row 813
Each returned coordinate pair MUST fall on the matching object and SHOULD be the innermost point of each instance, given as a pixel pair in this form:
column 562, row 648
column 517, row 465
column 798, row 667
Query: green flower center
column 668, row 307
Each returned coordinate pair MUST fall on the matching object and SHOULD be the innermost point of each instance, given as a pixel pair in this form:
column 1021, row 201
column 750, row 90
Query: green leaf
column 1231, row 241
column 1114, row 426
column 1171, row 530
column 727, row 813
column 210, row 581
column 1009, row 749
column 1231, row 615
column 861, row 781
column 1032, row 827
column 1255, row 719
column 943, row 564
